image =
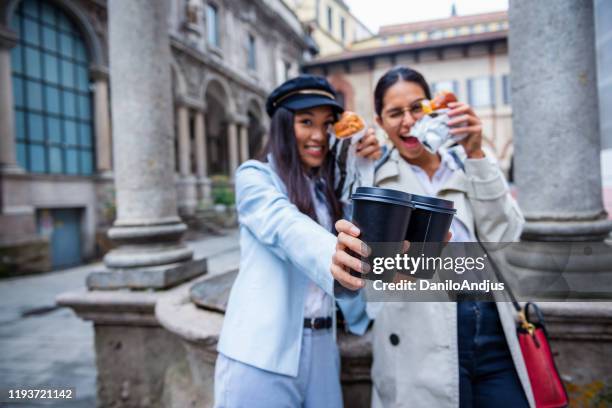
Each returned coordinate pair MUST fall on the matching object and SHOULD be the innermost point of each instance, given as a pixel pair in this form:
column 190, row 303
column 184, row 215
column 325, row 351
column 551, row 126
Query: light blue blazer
column 282, row 250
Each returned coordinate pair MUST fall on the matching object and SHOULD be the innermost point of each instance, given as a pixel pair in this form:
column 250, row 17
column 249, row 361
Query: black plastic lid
column 433, row 203
column 385, row 195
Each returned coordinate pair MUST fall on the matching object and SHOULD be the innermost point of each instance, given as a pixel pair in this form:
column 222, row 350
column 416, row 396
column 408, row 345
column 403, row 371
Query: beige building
column 466, row 54
column 330, row 23
column 56, row 160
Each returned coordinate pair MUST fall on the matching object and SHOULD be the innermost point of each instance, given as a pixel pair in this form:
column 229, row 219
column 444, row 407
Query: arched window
column 53, row 113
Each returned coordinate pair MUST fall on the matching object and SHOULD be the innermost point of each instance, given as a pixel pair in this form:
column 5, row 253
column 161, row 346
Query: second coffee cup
column 429, row 224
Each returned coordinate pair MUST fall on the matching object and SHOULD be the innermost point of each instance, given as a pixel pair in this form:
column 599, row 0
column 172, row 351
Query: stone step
column 215, row 245
column 224, row 262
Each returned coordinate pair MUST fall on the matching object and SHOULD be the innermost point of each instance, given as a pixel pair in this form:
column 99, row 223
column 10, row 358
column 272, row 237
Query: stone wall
column 24, row 257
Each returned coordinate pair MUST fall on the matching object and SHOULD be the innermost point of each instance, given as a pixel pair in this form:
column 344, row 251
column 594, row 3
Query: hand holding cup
column 342, row 261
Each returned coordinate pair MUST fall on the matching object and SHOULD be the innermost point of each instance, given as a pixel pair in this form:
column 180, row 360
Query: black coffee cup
column 430, row 221
column 382, row 215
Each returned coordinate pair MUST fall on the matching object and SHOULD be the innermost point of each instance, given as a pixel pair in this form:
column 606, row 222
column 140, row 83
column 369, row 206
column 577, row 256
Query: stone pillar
column 244, row 143
column 102, row 120
column 204, row 184
column 133, row 353
column 232, row 146
column 147, row 229
column 557, row 169
column 555, row 120
column 187, row 183
column 265, row 123
column 183, row 141
column 8, row 158
column 557, row 152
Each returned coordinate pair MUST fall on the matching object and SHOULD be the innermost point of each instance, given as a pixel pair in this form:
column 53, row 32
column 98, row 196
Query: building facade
column 464, row 54
column 56, row 152
column 468, row 55
column 330, row 23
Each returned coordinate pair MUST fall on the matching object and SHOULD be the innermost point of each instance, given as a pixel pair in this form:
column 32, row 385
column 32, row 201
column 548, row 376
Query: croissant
column 440, row 101
column 349, row 124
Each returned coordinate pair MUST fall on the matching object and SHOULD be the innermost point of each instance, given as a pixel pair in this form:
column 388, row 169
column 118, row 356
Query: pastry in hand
column 440, row 101
column 349, row 124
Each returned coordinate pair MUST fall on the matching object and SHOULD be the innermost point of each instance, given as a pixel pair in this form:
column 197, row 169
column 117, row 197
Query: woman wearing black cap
column 277, row 346
column 447, row 355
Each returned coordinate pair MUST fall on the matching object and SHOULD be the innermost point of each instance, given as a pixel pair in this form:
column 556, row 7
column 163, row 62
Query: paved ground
column 44, row 346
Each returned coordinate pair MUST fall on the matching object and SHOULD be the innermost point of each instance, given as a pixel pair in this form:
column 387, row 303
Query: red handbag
column 546, row 384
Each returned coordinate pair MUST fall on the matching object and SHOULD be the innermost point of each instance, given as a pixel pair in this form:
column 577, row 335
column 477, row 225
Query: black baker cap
column 303, row 92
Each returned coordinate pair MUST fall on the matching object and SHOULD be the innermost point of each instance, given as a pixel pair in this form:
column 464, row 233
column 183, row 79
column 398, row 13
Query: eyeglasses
column 396, row 115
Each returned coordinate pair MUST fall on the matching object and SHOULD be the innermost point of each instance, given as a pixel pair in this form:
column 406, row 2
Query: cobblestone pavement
column 45, row 346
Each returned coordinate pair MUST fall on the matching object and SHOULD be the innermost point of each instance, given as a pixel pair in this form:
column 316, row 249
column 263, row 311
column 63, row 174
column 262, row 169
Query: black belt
column 318, row 323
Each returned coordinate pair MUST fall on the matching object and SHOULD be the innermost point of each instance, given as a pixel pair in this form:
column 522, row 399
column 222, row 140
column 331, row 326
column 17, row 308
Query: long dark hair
column 282, row 147
column 391, row 77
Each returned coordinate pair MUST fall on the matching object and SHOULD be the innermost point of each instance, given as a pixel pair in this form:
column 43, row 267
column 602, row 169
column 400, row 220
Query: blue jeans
column 239, row 385
column 487, row 376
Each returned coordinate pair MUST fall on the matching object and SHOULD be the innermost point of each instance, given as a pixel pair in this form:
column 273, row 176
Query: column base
column 561, row 270
column 155, row 277
column 204, row 185
column 589, row 230
column 11, row 169
column 147, row 256
column 133, row 353
column 105, row 175
column 187, row 195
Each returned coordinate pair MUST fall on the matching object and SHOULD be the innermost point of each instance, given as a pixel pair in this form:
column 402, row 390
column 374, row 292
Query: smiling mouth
column 314, row 150
column 410, row 141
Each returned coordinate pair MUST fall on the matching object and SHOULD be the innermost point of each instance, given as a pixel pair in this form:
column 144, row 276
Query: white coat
column 422, row 370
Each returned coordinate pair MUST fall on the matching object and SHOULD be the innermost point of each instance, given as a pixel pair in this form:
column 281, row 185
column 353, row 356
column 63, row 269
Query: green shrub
column 222, row 191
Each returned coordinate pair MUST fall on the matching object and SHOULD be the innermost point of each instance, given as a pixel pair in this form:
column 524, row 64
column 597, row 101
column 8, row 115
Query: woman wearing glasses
column 463, row 354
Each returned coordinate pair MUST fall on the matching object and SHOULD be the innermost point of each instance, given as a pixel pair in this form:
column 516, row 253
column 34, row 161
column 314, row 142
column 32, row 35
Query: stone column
column 147, row 229
column 266, row 130
column 557, row 169
column 102, row 120
column 186, row 184
column 8, row 158
column 244, row 143
column 183, row 140
column 133, row 353
column 557, row 151
column 204, row 183
column 556, row 120
column 232, row 146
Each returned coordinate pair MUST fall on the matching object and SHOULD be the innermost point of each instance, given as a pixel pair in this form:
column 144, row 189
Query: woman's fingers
column 459, row 108
column 346, row 279
column 344, row 260
column 463, row 121
column 347, row 227
column 354, row 244
column 459, row 120
column 368, row 145
column 370, row 152
column 468, row 130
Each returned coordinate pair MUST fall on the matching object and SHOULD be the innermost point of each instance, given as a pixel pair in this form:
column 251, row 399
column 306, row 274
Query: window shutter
column 506, row 85
column 469, row 91
column 492, row 90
